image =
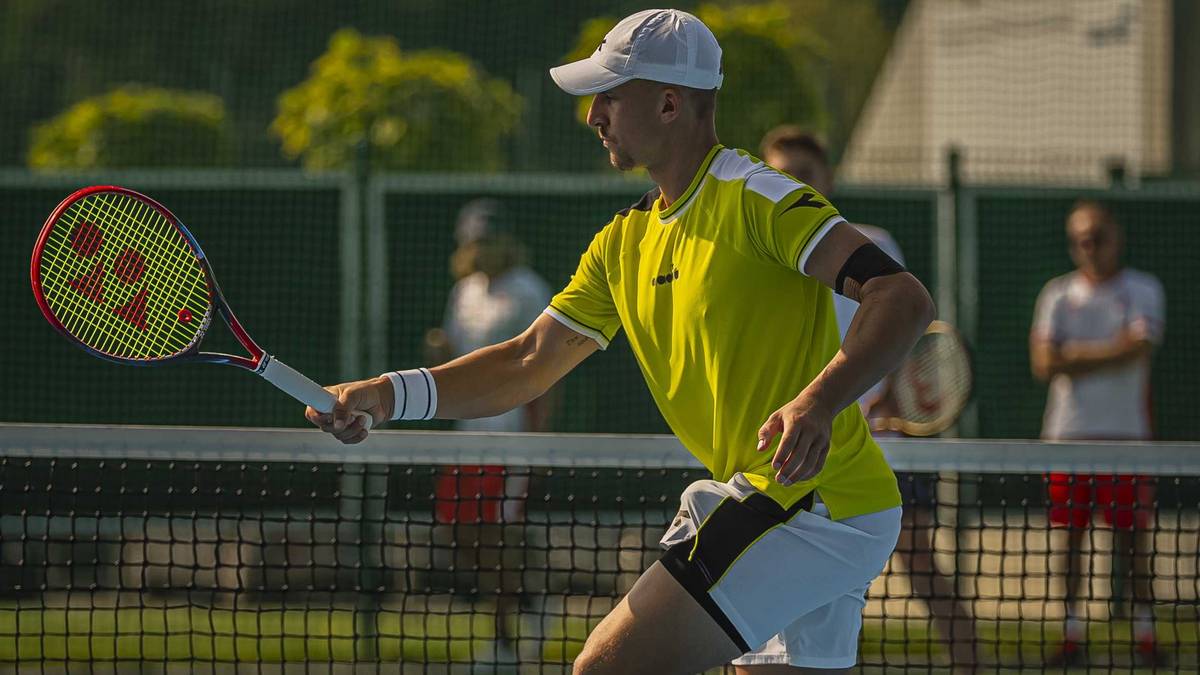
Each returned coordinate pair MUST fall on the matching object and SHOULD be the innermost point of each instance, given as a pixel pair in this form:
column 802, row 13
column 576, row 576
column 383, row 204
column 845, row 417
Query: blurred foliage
column 857, row 38
column 768, row 60
column 135, row 126
column 56, row 52
column 428, row 110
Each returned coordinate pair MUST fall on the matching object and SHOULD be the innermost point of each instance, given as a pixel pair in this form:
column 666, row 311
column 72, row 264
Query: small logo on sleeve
column 808, row 199
column 664, row 279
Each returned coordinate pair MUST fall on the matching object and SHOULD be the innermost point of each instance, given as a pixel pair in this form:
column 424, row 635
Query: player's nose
column 596, row 116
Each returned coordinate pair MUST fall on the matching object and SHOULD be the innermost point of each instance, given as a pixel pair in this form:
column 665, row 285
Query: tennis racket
column 932, row 386
column 118, row 275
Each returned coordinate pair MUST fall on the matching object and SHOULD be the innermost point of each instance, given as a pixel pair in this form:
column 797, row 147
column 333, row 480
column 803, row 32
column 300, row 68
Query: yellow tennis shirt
column 725, row 327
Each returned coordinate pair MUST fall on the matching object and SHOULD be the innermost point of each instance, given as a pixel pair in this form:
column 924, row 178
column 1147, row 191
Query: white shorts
column 787, row 586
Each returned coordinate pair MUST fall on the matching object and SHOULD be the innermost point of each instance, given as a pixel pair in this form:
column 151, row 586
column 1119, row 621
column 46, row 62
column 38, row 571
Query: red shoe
column 1148, row 655
column 1069, row 655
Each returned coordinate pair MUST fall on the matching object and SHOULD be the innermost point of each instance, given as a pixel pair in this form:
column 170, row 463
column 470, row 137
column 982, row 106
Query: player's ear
column 669, row 104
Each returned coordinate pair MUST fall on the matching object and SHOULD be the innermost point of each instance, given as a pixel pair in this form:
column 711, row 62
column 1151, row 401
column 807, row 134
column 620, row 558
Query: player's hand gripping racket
column 931, row 388
column 117, row 274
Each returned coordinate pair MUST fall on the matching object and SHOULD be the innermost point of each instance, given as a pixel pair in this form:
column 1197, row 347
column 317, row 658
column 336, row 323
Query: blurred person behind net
column 799, row 153
column 480, row 510
column 1094, row 330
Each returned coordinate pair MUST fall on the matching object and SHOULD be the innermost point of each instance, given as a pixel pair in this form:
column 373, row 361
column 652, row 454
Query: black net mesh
column 122, row 548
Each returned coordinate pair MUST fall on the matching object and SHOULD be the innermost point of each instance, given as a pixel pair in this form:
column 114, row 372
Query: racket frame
column 257, row 359
column 936, row 426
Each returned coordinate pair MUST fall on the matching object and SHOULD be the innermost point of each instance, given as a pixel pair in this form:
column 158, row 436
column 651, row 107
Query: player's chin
column 621, row 162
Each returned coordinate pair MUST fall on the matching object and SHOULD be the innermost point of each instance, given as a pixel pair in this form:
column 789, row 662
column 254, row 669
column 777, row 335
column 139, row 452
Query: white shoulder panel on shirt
column 772, row 184
column 732, row 165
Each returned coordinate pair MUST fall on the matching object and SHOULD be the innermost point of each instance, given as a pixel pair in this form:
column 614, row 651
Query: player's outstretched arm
column 894, row 310
column 486, row 382
column 496, row 379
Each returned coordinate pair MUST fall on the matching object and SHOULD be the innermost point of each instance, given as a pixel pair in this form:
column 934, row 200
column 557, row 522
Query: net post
column 966, row 273
column 957, row 248
column 374, row 231
column 363, row 487
column 350, row 277
column 362, row 509
column 946, row 251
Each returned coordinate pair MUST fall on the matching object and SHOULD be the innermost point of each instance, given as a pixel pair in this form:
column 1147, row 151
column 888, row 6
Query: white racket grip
column 299, row 387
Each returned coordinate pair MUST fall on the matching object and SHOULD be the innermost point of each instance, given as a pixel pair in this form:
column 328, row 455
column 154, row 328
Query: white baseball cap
column 663, row 45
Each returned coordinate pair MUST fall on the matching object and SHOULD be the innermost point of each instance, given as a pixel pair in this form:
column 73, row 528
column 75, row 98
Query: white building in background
column 1032, row 91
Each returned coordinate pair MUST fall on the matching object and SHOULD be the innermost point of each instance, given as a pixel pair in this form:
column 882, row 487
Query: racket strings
column 182, row 269
column 936, row 379
column 156, row 338
column 139, row 315
column 97, row 320
column 85, row 318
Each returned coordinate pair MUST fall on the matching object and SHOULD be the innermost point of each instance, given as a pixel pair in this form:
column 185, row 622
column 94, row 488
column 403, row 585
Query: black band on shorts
column 699, row 562
column 867, row 262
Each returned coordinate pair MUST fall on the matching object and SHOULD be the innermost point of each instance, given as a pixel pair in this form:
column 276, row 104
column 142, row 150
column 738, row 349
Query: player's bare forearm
column 499, row 378
column 893, row 313
column 540, row 410
column 484, row 383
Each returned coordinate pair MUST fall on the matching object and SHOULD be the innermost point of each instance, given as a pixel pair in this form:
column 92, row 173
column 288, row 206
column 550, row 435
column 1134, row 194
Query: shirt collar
column 693, row 187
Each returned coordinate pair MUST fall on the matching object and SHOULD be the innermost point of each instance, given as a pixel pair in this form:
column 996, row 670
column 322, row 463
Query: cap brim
column 586, row 77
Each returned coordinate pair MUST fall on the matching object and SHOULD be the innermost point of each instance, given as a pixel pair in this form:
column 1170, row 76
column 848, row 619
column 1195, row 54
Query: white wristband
column 415, row 394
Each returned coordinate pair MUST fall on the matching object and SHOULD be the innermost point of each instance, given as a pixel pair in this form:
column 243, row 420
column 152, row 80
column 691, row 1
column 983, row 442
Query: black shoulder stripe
column 644, row 204
column 808, row 199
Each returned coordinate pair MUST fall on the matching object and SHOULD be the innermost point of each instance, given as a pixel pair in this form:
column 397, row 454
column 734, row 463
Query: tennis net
column 253, row 550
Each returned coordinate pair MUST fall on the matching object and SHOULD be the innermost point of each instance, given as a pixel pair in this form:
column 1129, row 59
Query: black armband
column 867, row 262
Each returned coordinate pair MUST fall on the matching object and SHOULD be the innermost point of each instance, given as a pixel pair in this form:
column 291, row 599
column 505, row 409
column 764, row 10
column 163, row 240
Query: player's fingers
column 814, row 459
column 357, row 437
column 800, row 449
column 318, row 419
column 347, row 401
column 323, row 421
column 787, row 446
column 354, row 431
column 367, row 418
column 767, row 432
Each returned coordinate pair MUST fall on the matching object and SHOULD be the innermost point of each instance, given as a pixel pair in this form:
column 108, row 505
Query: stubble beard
column 620, row 161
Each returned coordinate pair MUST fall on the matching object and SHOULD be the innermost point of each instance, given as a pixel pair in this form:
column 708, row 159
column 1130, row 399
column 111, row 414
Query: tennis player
column 721, row 278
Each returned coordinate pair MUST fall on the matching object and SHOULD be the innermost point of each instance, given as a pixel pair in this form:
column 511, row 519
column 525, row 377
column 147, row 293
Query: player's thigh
column 738, row 569
column 824, row 640
column 657, row 629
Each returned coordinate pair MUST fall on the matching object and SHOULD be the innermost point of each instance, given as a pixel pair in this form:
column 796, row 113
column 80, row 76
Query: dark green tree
column 134, row 126
column 423, row 110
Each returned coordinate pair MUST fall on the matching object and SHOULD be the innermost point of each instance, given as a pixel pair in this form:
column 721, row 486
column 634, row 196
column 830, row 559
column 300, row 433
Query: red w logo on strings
column 86, row 240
